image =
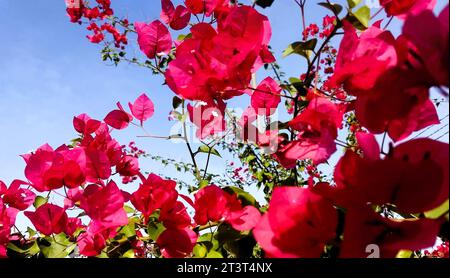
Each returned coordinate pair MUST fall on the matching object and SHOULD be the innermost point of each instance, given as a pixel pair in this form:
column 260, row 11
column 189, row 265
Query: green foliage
column 304, row 49
column 353, row 3
column 208, row 150
column 264, row 3
column 39, row 201
column 335, row 8
column 56, row 246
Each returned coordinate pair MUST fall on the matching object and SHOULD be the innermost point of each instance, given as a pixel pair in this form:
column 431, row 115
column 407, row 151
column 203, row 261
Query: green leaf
column 200, row 250
column 128, row 209
column 183, row 37
column 31, row 232
column 439, row 211
column 206, row 149
column 58, row 246
column 130, row 229
column 129, row 254
column 27, row 250
column 214, row 255
column 210, row 241
column 363, row 15
column 39, row 201
column 335, row 8
column 246, row 198
column 404, row 254
column 301, row 48
column 264, row 3
column 176, row 102
column 353, row 3
column 203, row 183
column 154, row 229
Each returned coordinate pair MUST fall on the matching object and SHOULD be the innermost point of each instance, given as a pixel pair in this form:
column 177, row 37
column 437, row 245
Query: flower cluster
column 374, row 83
column 78, row 9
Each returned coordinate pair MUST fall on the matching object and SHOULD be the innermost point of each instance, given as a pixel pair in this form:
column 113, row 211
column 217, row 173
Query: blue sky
column 49, row 72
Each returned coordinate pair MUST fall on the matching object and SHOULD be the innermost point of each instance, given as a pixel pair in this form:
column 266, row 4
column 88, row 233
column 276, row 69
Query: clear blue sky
column 49, row 72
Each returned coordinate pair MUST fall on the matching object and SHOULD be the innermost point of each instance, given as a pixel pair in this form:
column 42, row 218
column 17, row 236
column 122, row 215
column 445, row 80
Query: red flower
column 402, row 178
column 212, row 204
column 104, row 205
column 362, row 60
column 206, row 6
column 217, row 64
column 48, row 169
column 317, row 126
column 73, row 224
column 154, row 39
column 430, row 35
column 16, row 197
column 177, row 243
column 403, row 7
column 48, row 219
column 154, row 193
column 74, row 9
column 7, row 220
column 364, row 227
column 266, row 97
column 85, row 125
column 298, row 224
column 142, row 108
column 177, row 18
column 91, row 13
column 128, row 166
column 175, row 217
column 208, row 117
column 118, row 119
column 92, row 243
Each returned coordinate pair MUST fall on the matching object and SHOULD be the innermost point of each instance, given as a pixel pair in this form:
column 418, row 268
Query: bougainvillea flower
column 404, row 7
column 7, row 220
column 154, row 193
column 48, row 219
column 118, row 119
column 298, row 224
column 401, row 179
column 104, row 205
column 104, row 143
column 244, row 219
column 266, row 97
column 85, row 125
column 398, row 104
column 362, row 60
column 218, row 64
column 128, row 166
column 317, row 126
column 154, row 39
column 211, row 204
column 177, row 243
column 419, row 118
column 74, row 9
column 430, row 35
column 16, row 197
column 208, row 117
column 73, row 224
column 175, row 217
column 142, row 108
column 364, row 227
column 49, row 169
column 206, row 6
column 93, row 163
column 92, row 243
column 177, row 18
